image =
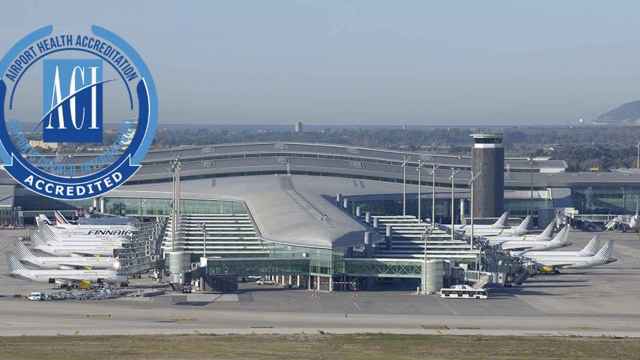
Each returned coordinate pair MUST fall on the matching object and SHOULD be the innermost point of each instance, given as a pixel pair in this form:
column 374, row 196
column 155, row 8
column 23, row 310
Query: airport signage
column 98, row 115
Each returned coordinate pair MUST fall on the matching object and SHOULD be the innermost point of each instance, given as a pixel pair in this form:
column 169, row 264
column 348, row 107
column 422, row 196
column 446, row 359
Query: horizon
column 369, row 63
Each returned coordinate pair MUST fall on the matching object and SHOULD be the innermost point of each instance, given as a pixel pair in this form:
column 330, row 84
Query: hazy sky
column 368, row 62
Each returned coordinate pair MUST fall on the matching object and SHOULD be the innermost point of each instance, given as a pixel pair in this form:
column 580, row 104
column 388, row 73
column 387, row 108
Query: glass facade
column 162, row 207
column 606, row 199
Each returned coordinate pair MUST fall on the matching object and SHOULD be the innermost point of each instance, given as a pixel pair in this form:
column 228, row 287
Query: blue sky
column 368, row 62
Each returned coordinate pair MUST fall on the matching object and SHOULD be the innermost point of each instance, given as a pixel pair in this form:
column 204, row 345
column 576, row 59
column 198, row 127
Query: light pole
column 433, row 195
column 204, row 240
column 404, row 186
column 419, row 193
column 530, row 207
column 471, row 182
column 453, row 202
column 425, row 235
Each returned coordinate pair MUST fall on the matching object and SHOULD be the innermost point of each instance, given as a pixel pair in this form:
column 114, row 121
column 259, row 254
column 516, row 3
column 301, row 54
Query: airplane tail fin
column 60, row 219
column 591, row 248
column 42, row 219
column 14, row 264
column 502, row 220
column 36, row 238
column 22, row 251
column 523, row 227
column 562, row 237
column 547, row 233
column 605, row 252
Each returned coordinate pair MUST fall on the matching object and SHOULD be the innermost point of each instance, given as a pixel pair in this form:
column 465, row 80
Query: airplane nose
column 611, row 260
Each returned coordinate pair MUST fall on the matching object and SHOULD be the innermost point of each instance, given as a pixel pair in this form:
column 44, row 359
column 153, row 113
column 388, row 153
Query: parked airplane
column 545, row 235
column 560, row 240
column 519, row 230
column 16, row 268
column 62, row 262
column 554, row 263
column 590, row 249
column 624, row 223
column 70, row 248
column 499, row 224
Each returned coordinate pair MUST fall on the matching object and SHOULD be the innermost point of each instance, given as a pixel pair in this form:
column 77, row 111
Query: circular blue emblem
column 78, row 115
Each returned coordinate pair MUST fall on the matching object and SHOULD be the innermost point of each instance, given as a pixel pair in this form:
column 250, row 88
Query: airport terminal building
column 316, row 213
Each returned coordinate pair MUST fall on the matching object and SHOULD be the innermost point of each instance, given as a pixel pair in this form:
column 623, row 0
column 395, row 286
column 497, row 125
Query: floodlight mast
column 404, row 185
column 433, row 195
column 453, row 202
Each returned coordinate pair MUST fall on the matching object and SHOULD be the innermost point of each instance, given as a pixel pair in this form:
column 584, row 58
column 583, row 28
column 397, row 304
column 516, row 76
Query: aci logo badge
column 79, row 145
column 72, row 101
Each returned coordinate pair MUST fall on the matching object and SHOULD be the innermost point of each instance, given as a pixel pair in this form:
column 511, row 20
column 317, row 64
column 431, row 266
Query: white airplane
column 519, row 230
column 629, row 223
column 98, row 230
column 16, row 268
column 560, row 240
column 62, row 262
column 70, row 248
column 545, row 235
column 553, row 263
column 499, row 224
column 590, row 249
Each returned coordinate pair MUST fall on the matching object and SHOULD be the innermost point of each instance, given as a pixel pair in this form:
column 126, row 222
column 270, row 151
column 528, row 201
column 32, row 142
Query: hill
column 625, row 114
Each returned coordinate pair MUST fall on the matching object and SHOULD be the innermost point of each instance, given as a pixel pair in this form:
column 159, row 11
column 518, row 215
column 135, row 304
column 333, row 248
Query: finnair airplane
column 71, row 248
column 545, row 235
column 16, row 268
column 62, row 262
column 100, row 230
column 553, row 263
column 560, row 240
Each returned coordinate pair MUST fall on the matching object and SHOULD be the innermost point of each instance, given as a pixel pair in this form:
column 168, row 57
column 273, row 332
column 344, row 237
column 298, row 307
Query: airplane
column 554, row 263
column 519, row 230
column 67, row 262
column 589, row 250
column 560, row 240
column 98, row 229
column 499, row 224
column 626, row 222
column 17, row 269
column 545, row 235
column 71, row 248
column 60, row 219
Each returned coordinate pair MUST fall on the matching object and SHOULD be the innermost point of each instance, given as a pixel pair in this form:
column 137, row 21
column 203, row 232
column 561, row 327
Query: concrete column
column 358, row 211
column 338, row 198
column 318, row 282
column 375, row 222
column 345, row 203
column 330, row 283
column 297, row 280
column 290, row 280
column 309, row 282
column 367, row 217
column 389, row 237
column 367, row 243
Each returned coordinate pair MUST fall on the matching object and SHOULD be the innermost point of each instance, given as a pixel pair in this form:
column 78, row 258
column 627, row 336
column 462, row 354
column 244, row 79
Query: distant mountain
column 625, row 114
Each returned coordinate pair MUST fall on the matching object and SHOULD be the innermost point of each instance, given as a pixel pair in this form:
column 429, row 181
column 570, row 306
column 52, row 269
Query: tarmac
column 601, row 301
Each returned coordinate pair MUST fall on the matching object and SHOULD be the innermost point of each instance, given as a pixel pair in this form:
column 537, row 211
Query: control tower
column 488, row 161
